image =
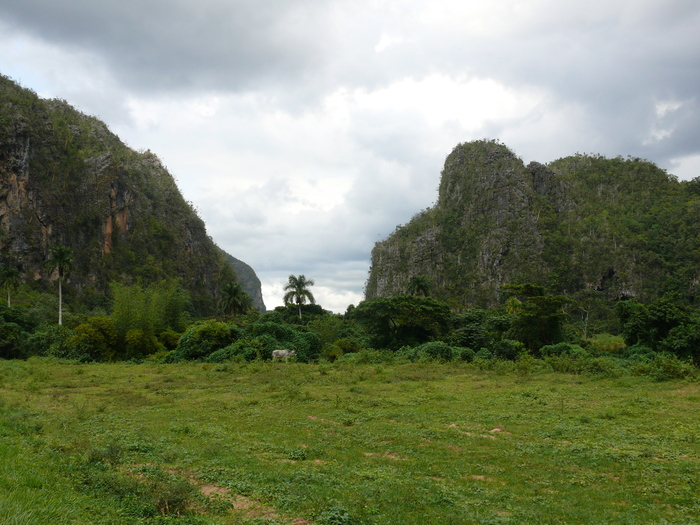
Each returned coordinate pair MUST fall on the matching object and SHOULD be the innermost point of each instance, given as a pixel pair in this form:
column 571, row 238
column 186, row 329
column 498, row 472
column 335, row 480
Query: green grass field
column 288, row 443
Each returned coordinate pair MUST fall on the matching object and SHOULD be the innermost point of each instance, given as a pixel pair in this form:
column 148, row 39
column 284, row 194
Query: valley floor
column 288, row 443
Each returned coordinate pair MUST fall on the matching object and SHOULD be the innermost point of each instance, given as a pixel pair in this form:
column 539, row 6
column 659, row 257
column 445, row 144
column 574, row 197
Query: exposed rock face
column 65, row 179
column 566, row 226
column 250, row 282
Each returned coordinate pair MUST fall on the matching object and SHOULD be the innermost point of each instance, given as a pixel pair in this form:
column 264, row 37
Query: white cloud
column 306, row 132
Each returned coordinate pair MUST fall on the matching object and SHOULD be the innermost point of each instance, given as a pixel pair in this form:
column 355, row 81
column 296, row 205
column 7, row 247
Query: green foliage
column 596, row 229
column 51, row 340
column 159, row 307
column 96, row 340
column 403, row 320
column 234, row 300
column 10, row 279
column 436, row 351
column 651, row 325
column 508, row 349
column 202, row 339
column 471, row 329
column 363, row 440
column 297, row 291
column 538, row 318
column 12, row 341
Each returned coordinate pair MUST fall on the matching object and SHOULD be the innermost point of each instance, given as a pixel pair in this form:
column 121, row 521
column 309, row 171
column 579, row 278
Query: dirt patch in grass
column 386, row 454
column 314, row 418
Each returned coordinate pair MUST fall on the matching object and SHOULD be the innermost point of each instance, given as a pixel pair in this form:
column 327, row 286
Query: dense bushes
column 202, row 339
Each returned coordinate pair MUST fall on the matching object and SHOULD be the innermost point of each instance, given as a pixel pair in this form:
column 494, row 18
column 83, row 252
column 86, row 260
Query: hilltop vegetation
column 66, row 180
column 620, row 227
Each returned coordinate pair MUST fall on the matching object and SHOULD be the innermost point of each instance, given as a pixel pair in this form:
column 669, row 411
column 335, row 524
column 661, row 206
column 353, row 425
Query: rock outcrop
column 65, row 179
column 582, row 222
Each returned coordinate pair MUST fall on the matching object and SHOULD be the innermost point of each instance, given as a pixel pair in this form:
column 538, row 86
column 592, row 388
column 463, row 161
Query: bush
column 665, row 367
column 50, row 340
column 409, row 353
column 335, row 515
column 435, row 351
column 169, row 339
column 484, row 354
column 202, row 339
column 12, row 341
column 507, row 349
column 138, row 344
column 464, row 354
column 563, row 349
column 244, row 349
column 307, row 345
column 95, row 340
column 348, row 345
column 331, row 352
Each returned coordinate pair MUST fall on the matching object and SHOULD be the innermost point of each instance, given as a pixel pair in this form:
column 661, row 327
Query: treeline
column 580, row 334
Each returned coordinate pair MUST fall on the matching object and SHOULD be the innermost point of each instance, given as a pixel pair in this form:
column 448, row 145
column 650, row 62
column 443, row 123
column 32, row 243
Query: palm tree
column 418, row 285
column 234, row 300
column 10, row 279
column 61, row 259
column 297, row 291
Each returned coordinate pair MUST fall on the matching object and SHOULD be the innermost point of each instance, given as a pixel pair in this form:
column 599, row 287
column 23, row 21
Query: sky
column 304, row 131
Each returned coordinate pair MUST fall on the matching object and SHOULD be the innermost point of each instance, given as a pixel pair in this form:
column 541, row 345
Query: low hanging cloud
column 305, row 131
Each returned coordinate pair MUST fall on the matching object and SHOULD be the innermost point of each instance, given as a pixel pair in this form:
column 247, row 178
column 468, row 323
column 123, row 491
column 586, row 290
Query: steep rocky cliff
column 620, row 226
column 249, row 280
column 65, row 179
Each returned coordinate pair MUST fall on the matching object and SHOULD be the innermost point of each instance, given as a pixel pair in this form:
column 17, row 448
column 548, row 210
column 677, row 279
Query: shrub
column 95, row 340
column 408, row 352
column 50, row 340
column 464, row 354
column 563, row 349
column 202, row 339
column 484, row 354
column 12, row 341
column 244, row 349
column 507, row 349
column 169, row 339
column 435, row 351
column 665, row 367
column 138, row 344
column 335, row 515
column 348, row 345
column 331, row 352
column 368, row 356
column 307, row 345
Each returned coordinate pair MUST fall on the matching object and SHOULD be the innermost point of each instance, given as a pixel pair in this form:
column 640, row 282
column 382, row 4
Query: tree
column 393, row 322
column 10, row 279
column 418, row 285
column 234, row 300
column 298, row 292
column 537, row 318
column 60, row 260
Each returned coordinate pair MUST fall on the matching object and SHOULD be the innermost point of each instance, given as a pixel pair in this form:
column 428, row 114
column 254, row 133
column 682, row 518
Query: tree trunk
column 60, row 304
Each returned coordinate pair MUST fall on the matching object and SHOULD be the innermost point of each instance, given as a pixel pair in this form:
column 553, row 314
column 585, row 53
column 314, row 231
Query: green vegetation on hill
column 621, row 227
column 67, row 181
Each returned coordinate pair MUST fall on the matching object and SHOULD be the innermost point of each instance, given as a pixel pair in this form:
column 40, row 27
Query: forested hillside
column 66, row 180
column 621, row 227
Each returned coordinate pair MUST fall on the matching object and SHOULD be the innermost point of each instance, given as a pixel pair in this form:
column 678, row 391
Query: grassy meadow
column 287, row 443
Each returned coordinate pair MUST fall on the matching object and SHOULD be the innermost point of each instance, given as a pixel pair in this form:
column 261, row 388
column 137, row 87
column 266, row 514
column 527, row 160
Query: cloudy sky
column 306, row 130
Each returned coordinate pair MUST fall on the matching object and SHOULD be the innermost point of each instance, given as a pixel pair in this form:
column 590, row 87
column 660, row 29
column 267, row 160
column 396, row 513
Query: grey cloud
column 175, row 45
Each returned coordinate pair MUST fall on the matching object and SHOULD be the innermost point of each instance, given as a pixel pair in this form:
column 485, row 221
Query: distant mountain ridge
column 619, row 226
column 65, row 179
